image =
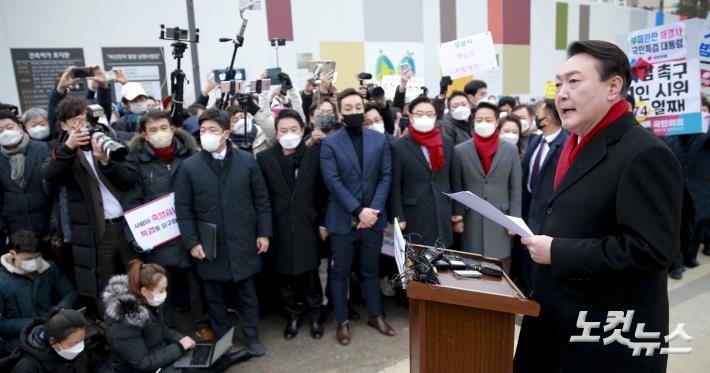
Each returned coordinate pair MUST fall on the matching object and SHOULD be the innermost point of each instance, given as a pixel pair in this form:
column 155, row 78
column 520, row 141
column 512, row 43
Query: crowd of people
column 295, row 183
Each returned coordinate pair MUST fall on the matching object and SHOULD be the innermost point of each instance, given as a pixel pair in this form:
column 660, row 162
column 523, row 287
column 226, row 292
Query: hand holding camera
column 66, row 80
column 77, row 139
column 99, row 76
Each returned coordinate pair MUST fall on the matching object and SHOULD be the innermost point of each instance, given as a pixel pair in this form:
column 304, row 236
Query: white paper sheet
column 399, row 246
column 484, row 208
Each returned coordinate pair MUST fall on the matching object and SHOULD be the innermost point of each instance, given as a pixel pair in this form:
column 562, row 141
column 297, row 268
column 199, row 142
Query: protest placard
column 154, row 223
column 468, row 56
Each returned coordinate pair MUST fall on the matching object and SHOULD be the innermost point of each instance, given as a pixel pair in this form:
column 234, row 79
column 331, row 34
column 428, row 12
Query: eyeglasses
column 421, row 114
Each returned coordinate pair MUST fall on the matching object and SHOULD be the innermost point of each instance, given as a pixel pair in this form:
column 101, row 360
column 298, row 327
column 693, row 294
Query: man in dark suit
column 610, row 232
column 539, row 165
column 356, row 168
column 292, row 174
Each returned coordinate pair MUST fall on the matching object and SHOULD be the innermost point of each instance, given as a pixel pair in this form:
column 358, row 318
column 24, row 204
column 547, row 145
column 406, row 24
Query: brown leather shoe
column 205, row 334
column 381, row 325
column 342, row 333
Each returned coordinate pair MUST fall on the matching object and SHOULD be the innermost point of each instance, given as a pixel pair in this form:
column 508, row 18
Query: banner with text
column 154, row 223
column 468, row 56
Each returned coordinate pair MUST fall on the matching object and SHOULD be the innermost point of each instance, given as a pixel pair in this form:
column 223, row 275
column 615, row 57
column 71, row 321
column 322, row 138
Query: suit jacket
column 295, row 212
column 615, row 221
column 352, row 186
column 534, row 204
column 501, row 187
column 417, row 192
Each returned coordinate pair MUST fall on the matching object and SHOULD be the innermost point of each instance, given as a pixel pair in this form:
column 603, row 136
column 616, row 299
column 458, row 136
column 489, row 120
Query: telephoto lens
column 115, row 150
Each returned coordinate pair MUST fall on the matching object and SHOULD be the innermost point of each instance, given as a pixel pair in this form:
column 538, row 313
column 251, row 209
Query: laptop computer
column 205, row 354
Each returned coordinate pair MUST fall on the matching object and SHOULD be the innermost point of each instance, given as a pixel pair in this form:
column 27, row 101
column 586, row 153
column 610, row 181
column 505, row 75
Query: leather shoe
column 292, row 328
column 316, row 329
column 205, row 334
column 691, row 263
column 342, row 333
column 676, row 274
column 381, row 325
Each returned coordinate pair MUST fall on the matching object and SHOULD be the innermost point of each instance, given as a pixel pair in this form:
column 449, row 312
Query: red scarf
column 572, row 149
column 167, row 154
column 486, row 149
column 434, row 145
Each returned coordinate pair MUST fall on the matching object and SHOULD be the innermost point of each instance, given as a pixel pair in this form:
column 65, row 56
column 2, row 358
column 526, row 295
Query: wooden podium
column 465, row 325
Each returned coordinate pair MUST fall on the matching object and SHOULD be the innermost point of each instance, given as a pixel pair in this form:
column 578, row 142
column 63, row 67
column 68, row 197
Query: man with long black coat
column 421, row 173
column 94, row 185
column 611, row 230
column 292, row 175
column 157, row 151
column 224, row 186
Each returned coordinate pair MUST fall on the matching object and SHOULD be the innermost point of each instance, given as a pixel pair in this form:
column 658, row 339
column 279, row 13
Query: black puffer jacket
column 139, row 340
column 156, row 179
column 38, row 356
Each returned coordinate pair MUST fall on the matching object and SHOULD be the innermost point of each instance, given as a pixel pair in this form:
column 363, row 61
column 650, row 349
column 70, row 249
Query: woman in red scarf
column 490, row 169
column 421, row 166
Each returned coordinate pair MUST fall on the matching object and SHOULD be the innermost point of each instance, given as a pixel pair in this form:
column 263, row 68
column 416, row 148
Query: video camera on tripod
column 177, row 77
column 113, row 149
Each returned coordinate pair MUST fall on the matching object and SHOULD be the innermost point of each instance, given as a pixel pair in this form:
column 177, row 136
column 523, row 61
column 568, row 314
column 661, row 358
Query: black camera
column 115, row 150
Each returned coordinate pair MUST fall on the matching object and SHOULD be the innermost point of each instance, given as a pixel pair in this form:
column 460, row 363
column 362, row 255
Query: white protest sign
column 154, row 223
column 660, row 43
column 468, row 56
column 390, row 83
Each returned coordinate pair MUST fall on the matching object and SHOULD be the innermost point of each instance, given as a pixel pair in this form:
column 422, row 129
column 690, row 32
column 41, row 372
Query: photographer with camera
column 326, row 91
column 281, row 96
column 87, row 164
column 255, row 134
column 135, row 100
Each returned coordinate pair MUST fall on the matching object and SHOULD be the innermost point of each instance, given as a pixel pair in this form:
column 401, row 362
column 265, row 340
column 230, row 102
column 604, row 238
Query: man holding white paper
column 611, row 229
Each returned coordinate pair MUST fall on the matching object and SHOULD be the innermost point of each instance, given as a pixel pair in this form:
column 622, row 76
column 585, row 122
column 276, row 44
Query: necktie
column 535, row 174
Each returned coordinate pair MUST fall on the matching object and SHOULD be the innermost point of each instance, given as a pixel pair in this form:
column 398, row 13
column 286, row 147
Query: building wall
column 357, row 33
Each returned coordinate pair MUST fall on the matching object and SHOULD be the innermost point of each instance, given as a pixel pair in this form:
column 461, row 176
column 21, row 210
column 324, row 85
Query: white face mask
column 158, row 299
column 378, row 126
column 239, row 127
column 510, row 137
column 290, row 140
column 161, row 139
column 210, row 142
column 10, row 137
column 525, row 126
column 484, row 129
column 31, row 265
column 138, row 107
column 38, row 132
column 461, row 113
column 423, row 124
column 71, row 352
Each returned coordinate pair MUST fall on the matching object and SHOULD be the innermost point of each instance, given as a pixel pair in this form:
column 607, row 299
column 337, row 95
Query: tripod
column 177, row 77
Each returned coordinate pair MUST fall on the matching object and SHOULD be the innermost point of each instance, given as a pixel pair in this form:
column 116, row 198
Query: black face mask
column 538, row 123
column 327, row 122
column 353, row 121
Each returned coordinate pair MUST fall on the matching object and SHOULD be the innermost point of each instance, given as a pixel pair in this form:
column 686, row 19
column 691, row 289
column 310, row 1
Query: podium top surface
column 488, row 292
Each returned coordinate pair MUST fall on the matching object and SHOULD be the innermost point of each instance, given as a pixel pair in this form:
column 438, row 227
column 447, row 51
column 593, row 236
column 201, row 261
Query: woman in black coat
column 56, row 345
column 139, row 340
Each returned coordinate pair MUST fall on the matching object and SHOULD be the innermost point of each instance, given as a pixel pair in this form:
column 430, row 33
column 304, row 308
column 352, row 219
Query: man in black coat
column 417, row 197
column 25, row 198
column 457, row 123
column 611, row 230
column 94, row 185
column 223, row 186
column 292, row 175
column 157, row 151
column 539, row 166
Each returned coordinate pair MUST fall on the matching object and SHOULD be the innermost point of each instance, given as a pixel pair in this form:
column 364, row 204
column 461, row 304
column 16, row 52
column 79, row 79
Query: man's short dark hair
column 216, row 115
column 152, row 115
column 70, row 107
column 345, row 93
column 314, row 106
column 507, row 100
column 551, row 110
column 9, row 108
column 370, row 105
column 421, row 99
column 454, row 94
column 233, row 109
column 289, row 113
column 8, row 115
column 192, row 109
column 611, row 60
column 24, row 241
column 472, row 87
column 529, row 108
column 486, row 105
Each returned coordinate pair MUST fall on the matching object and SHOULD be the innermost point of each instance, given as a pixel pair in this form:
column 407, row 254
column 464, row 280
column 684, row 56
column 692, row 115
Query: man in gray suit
column 490, row 169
